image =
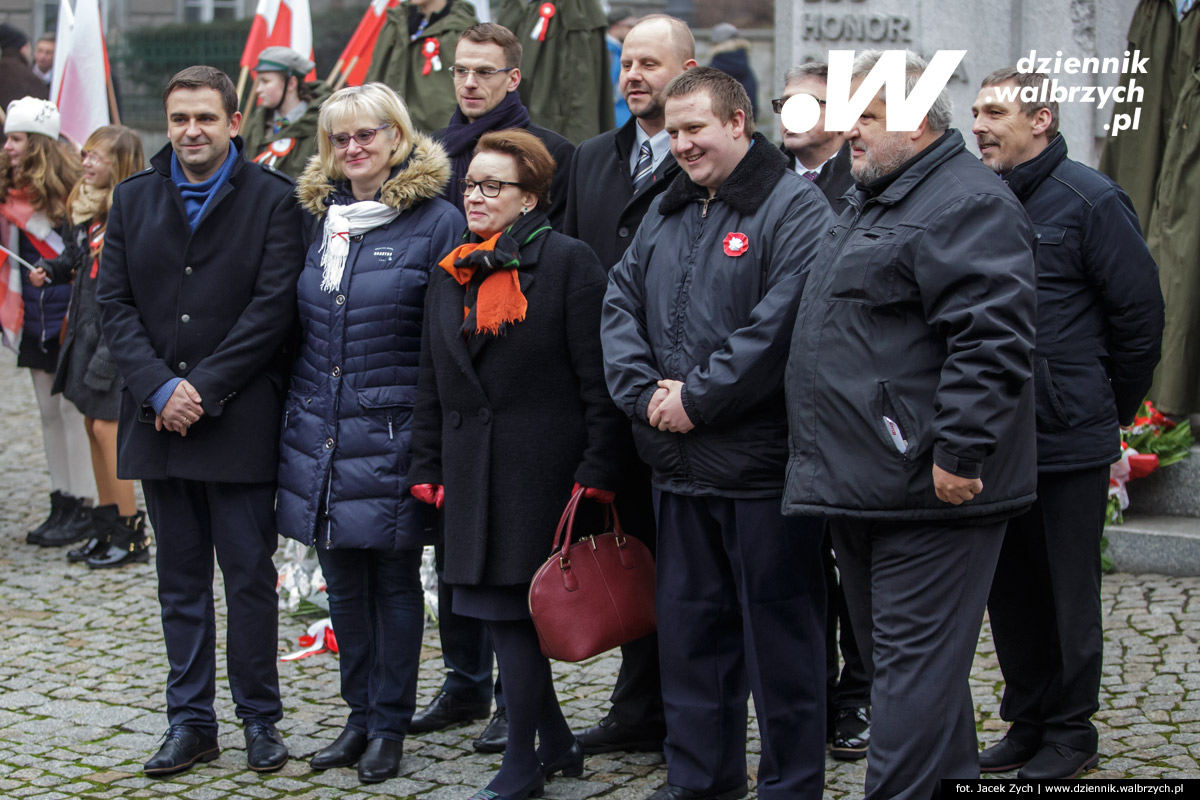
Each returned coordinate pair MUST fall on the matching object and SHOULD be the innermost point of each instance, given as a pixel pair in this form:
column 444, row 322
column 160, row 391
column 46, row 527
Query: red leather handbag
column 593, row 595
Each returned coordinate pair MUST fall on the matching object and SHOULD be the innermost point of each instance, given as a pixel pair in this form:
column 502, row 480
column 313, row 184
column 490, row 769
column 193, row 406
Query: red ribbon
column 430, row 48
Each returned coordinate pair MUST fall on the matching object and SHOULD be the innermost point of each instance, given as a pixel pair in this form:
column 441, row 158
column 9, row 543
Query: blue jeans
column 378, row 614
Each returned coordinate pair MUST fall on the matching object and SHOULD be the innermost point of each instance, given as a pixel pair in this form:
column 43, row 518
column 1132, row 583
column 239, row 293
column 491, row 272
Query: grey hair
column 941, row 113
column 809, row 69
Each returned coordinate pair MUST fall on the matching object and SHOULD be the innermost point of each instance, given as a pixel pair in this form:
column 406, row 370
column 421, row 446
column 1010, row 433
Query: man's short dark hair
column 1034, row 80
column 491, row 33
column 726, row 94
column 48, row 36
column 204, row 77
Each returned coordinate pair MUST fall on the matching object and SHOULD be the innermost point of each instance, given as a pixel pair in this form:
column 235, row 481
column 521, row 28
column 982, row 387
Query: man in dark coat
column 820, row 155
column 731, row 55
column 605, row 206
column 487, row 74
column 16, row 78
column 197, row 294
column 823, row 157
column 1099, row 332
column 696, row 322
column 910, row 410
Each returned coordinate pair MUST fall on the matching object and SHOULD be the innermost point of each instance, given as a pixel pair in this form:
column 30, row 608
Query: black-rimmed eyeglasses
column 777, row 103
column 342, row 140
column 461, row 73
column 488, row 188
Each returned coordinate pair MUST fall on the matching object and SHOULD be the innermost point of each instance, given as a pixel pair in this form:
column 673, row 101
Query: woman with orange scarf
column 512, row 412
column 36, row 176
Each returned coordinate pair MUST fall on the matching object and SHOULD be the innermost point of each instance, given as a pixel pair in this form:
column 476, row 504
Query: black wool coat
column 508, row 423
column 214, row 306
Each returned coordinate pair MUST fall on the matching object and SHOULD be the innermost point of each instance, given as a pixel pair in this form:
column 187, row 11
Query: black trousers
column 849, row 687
column 1045, row 611
column 741, row 610
column 378, row 613
column 466, row 650
column 192, row 519
column 921, row 588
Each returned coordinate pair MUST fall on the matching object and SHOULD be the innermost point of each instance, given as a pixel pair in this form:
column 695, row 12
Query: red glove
column 433, row 494
column 599, row 495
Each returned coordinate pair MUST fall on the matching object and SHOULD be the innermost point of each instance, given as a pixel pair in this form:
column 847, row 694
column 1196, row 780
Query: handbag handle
column 566, row 523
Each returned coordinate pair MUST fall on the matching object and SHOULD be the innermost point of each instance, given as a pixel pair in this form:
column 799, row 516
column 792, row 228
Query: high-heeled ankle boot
column 101, row 531
column 127, row 544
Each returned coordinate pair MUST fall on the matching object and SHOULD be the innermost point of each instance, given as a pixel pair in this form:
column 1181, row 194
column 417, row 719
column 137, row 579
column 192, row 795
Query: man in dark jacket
column 695, row 325
column 612, row 186
column 197, row 294
column 820, row 155
column 1099, row 331
column 911, row 422
column 16, row 78
column 487, row 74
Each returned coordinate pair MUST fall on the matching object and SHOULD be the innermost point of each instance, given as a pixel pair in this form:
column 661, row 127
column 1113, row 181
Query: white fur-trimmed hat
column 31, row 115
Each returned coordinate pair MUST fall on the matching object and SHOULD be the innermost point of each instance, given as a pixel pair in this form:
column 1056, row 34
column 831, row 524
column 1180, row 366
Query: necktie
column 643, row 171
column 811, row 174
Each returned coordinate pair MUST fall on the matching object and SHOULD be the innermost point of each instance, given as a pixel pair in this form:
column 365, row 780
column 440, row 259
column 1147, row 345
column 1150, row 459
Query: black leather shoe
column 445, row 711
column 1006, row 755
column 75, row 525
column 535, row 788
column 344, row 751
column 851, row 734
column 670, row 792
column 495, row 736
column 58, row 506
column 183, row 747
column 610, row 736
column 1058, row 762
column 265, row 750
column 570, row 763
column 380, row 761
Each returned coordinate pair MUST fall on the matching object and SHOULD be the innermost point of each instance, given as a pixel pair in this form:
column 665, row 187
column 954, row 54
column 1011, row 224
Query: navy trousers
column 741, row 611
column 849, row 687
column 191, row 520
column 466, row 650
column 921, row 588
column 378, row 613
column 1046, row 615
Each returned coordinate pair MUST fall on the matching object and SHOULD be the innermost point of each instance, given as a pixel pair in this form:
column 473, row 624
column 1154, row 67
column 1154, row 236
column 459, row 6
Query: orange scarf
column 499, row 299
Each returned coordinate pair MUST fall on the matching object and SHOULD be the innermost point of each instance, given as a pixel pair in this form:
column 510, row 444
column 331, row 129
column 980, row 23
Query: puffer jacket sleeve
column 629, row 364
column 1120, row 266
column 978, row 289
column 585, row 297
column 748, row 368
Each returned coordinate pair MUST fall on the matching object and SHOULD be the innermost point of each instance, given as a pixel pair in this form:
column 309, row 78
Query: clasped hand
column 181, row 411
column 666, row 411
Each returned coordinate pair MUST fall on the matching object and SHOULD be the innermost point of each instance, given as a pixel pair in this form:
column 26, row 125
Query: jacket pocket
column 1048, row 399
column 866, row 270
column 887, row 411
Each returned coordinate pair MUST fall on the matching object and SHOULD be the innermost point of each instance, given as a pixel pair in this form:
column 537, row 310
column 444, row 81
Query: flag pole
column 112, row 100
column 241, row 84
column 337, row 68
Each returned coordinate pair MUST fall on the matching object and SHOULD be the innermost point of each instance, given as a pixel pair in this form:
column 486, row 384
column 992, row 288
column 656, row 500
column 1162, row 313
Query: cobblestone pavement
column 82, row 671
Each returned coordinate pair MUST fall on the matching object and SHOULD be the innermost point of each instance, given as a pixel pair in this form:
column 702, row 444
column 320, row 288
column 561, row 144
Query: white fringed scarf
column 342, row 222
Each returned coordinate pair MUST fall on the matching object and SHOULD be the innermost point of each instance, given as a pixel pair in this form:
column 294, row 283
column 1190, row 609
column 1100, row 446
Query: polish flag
column 356, row 58
column 286, row 23
column 80, row 85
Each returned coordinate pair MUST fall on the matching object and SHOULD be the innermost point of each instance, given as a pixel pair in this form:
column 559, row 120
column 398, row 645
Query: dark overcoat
column 344, row 452
column 508, row 423
column 215, row 306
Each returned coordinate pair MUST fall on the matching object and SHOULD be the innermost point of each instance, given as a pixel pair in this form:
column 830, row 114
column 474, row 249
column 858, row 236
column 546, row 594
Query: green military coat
column 1159, row 166
column 565, row 82
column 400, row 63
column 289, row 150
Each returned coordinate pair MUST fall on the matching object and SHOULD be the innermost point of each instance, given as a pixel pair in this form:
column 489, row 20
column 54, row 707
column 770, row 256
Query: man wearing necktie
column 821, row 156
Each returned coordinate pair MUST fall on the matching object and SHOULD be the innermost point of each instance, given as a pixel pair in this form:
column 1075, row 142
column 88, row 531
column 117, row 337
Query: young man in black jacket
column 1099, row 333
column 614, row 178
column 197, row 297
column 695, row 325
column 911, row 421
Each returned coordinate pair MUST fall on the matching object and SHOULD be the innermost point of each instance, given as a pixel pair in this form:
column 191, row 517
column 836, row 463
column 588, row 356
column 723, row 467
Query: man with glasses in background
column 487, row 72
column 821, row 156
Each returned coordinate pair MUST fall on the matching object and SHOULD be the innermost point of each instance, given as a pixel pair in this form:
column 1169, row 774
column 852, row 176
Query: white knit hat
column 31, row 115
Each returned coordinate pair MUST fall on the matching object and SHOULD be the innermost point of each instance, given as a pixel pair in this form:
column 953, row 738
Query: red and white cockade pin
column 430, row 49
column 545, row 12
column 736, row 244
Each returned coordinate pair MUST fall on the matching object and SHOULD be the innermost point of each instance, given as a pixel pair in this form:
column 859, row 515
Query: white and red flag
column 357, row 55
column 81, row 70
column 282, row 23
column 16, row 214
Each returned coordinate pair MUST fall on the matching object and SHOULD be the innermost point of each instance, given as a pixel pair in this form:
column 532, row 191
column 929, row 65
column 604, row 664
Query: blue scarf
column 198, row 196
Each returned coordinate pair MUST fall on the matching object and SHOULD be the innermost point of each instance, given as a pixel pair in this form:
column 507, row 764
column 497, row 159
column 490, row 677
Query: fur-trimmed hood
column 419, row 177
column 731, row 45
